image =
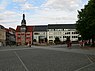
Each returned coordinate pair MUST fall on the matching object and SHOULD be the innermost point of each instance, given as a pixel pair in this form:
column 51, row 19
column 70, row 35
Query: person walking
column 68, row 42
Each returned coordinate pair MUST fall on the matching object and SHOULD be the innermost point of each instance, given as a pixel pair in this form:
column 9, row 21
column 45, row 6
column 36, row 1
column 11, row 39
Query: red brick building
column 24, row 33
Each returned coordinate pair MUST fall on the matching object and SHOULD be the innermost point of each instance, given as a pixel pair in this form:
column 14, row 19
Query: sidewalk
column 88, row 48
column 76, row 49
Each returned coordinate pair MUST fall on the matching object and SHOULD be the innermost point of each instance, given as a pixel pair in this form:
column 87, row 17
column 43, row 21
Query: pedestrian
column 80, row 43
column 68, row 42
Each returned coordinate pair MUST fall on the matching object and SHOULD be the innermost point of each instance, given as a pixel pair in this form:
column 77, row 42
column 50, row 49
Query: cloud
column 10, row 19
column 19, row 0
column 63, row 11
column 45, row 17
column 2, row 7
column 27, row 6
column 9, row 15
column 55, row 11
column 63, row 4
column 3, row 4
column 7, row 21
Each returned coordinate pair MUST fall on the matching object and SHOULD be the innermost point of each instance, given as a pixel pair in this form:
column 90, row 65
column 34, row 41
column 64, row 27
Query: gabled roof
column 28, row 29
column 11, row 29
column 61, row 26
column 40, row 28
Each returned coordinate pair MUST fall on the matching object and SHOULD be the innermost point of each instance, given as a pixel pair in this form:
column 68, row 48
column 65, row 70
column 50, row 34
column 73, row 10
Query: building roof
column 11, row 29
column 40, row 28
column 61, row 26
column 28, row 28
column 18, row 28
column 7, row 30
column 2, row 27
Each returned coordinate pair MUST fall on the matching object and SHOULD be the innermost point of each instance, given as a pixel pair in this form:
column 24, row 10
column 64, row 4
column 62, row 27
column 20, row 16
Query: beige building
column 2, row 37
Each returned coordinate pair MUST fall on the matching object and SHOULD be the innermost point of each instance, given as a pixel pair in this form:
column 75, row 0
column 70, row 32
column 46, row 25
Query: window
column 51, row 29
column 56, row 29
column 27, row 34
column 27, row 37
column 74, row 32
column 65, row 36
column 50, row 36
column 50, row 33
column 22, row 34
column 74, row 36
column 18, row 34
column 67, row 33
column 18, row 37
column 36, row 33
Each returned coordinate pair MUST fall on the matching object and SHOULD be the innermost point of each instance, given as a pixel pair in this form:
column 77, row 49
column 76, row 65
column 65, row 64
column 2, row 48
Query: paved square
column 38, row 59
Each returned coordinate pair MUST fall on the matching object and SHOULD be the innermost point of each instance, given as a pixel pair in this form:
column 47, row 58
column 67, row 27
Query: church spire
column 23, row 22
column 23, row 16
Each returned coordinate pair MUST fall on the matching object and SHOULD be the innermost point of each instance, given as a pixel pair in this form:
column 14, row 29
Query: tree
column 34, row 40
column 45, row 39
column 57, row 40
column 86, row 21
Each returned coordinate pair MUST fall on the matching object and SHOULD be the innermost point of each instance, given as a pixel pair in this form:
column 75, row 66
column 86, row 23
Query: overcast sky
column 39, row 12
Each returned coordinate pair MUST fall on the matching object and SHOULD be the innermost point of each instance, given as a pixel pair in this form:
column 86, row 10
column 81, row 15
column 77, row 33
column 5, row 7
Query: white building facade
column 62, row 31
column 40, row 34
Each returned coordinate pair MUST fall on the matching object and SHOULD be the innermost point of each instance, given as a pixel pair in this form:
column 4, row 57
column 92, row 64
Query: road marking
column 21, row 61
column 84, row 67
column 89, row 59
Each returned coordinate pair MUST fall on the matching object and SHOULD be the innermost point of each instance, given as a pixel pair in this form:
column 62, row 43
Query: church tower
column 24, row 33
column 23, row 30
column 23, row 24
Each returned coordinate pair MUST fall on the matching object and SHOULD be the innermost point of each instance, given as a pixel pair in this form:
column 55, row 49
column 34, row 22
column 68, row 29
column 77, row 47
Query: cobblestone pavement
column 49, row 58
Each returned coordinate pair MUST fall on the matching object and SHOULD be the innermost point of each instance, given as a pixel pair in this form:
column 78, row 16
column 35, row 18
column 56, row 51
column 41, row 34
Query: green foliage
column 57, row 40
column 86, row 21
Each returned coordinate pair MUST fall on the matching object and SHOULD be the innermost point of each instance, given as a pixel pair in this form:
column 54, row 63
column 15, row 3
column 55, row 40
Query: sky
column 39, row 12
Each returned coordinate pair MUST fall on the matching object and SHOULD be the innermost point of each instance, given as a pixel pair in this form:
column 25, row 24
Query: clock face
column 23, row 29
column 22, row 23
